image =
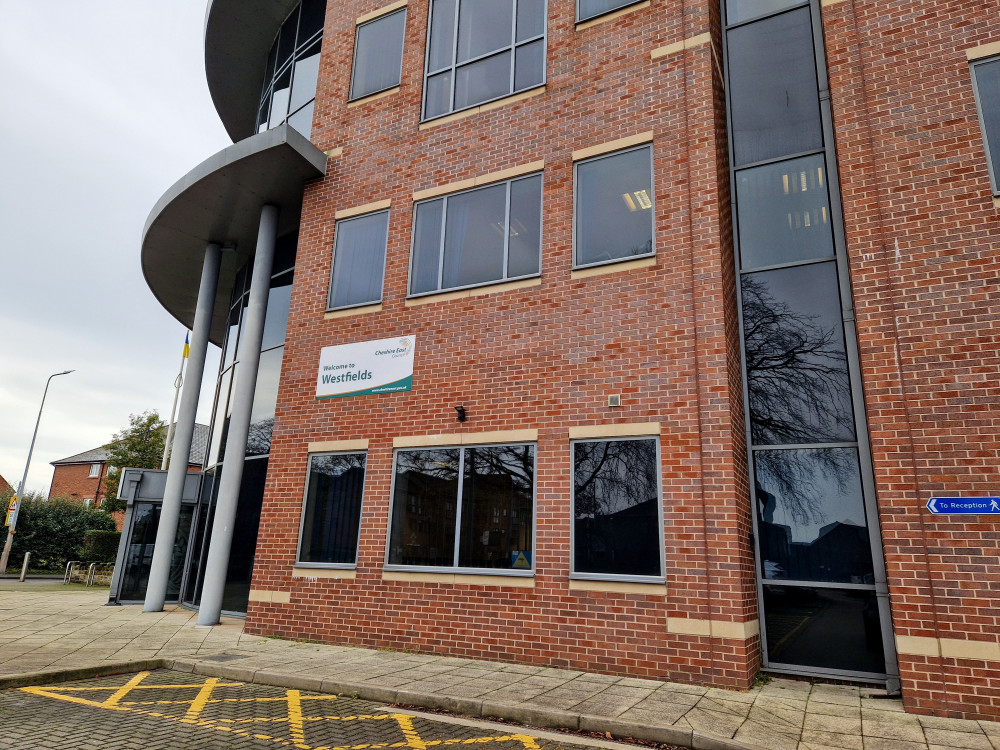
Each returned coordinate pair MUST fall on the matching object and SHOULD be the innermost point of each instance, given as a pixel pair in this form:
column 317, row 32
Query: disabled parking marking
column 295, row 718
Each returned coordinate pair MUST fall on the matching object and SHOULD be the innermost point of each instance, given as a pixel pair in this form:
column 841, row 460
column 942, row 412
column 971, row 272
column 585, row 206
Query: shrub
column 53, row 530
column 100, row 546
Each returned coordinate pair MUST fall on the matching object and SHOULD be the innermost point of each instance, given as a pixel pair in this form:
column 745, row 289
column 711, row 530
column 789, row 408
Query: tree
column 138, row 446
column 53, row 531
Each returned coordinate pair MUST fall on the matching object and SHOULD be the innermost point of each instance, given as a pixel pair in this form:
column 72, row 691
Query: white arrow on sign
column 933, row 505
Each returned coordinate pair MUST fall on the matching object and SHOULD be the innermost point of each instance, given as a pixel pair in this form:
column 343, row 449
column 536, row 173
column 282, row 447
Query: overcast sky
column 105, row 106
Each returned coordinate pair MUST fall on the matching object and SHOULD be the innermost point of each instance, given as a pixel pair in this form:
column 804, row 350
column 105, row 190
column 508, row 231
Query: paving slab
column 49, row 630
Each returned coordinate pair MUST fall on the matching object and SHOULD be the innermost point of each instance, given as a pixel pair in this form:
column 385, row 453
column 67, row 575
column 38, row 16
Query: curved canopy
column 238, row 37
column 219, row 201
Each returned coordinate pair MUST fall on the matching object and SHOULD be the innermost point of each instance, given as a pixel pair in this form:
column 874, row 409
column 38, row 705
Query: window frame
column 444, row 223
column 576, row 575
column 652, row 212
column 456, row 569
column 455, row 65
column 351, row 96
column 333, row 261
column 994, row 177
column 580, row 19
column 95, row 470
column 299, row 562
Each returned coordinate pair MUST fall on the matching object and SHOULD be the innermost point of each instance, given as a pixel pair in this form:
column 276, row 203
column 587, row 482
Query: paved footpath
column 47, row 628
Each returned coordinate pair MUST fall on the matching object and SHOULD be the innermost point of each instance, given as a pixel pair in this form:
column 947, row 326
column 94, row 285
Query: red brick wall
column 543, row 357
column 73, row 481
column 923, row 243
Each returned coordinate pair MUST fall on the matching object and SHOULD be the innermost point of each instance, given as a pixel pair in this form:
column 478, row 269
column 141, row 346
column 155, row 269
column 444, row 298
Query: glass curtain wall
column 254, row 464
column 821, row 576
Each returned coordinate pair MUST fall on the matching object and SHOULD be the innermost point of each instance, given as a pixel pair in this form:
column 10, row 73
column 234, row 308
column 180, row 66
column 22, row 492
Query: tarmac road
column 179, row 710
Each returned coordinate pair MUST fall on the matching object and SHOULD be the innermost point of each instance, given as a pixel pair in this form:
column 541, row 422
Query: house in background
column 81, row 477
column 5, row 486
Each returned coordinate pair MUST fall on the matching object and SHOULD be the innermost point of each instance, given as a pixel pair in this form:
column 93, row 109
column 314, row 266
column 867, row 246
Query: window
column 614, row 207
column 479, row 236
column 616, row 508
column 469, row 508
column 480, row 50
column 586, row 9
column 95, row 470
column 87, row 501
column 986, row 76
column 332, row 513
column 378, row 54
column 293, row 69
column 359, row 260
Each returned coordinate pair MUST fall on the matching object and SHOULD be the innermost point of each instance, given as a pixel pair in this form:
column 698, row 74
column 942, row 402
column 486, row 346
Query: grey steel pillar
column 166, row 532
column 251, row 335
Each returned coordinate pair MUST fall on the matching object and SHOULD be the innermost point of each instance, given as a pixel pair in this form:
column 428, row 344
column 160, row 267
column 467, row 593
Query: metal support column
column 166, row 532
column 252, row 333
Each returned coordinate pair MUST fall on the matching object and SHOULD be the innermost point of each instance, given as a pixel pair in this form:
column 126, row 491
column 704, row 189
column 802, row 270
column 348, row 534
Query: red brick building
column 81, row 477
column 691, row 313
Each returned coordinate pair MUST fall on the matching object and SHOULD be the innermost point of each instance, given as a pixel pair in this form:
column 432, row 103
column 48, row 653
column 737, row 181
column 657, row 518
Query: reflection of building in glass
column 694, row 331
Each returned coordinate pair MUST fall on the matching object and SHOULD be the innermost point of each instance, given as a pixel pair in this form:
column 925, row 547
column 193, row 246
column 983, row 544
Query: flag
column 187, row 345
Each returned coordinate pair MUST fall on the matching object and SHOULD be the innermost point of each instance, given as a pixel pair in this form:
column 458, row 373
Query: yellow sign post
column 11, row 510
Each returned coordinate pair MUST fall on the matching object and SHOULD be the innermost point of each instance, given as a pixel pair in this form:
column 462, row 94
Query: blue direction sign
column 969, row 505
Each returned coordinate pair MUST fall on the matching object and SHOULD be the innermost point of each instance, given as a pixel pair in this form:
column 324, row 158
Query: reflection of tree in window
column 799, row 393
column 615, row 507
column 797, row 379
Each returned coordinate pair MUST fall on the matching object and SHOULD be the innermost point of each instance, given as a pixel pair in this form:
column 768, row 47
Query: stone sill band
column 372, row 97
column 948, row 648
column 347, row 312
column 617, row 145
column 483, row 179
column 611, row 16
column 478, row 291
column 384, row 11
column 445, row 119
column 625, row 265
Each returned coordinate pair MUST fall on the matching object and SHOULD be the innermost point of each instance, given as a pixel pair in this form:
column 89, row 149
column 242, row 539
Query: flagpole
column 173, row 409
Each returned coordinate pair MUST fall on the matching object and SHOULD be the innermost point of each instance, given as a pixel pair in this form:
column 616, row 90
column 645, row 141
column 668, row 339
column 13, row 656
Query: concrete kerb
column 534, row 717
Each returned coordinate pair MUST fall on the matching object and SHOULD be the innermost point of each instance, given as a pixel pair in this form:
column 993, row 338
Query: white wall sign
column 381, row 366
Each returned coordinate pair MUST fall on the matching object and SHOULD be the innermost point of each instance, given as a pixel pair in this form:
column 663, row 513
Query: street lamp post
column 20, row 488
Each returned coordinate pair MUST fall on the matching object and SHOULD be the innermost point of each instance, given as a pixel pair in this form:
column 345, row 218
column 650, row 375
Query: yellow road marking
column 200, row 701
column 295, row 719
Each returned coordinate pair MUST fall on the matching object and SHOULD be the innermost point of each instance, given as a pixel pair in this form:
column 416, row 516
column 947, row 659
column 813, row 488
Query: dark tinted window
column 616, row 508
column 811, row 516
column 784, row 212
column 773, row 90
column 279, row 296
column 797, row 377
column 491, row 488
column 744, row 10
column 614, row 207
column 825, row 628
column 424, row 508
column 378, row 54
column 265, row 397
column 590, row 8
column 359, row 260
column 244, row 544
column 332, row 513
column 489, row 234
column 497, row 501
column 987, row 77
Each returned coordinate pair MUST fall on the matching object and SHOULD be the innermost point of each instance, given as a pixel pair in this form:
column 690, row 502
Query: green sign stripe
column 399, row 385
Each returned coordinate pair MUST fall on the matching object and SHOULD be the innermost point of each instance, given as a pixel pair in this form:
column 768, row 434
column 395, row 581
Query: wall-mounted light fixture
column 461, row 413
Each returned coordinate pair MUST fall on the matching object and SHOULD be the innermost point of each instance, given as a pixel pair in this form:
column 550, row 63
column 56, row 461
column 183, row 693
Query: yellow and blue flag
column 187, row 345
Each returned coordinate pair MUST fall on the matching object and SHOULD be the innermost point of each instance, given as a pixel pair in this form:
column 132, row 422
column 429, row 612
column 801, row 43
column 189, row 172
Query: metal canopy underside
column 238, row 38
column 220, row 201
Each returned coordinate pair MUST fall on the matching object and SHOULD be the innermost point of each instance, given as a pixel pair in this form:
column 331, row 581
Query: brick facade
column 73, row 481
column 545, row 356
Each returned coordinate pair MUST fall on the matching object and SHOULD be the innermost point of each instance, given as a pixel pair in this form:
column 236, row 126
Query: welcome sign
column 381, row 366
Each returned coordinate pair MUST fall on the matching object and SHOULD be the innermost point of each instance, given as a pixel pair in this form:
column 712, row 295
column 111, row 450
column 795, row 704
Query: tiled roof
column 199, row 446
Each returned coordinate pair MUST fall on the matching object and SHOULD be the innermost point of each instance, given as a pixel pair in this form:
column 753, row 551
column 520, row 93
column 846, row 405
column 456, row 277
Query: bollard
column 24, row 566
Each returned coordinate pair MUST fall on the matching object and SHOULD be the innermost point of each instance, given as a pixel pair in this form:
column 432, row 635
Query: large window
column 332, row 513
column 359, row 260
column 378, row 54
column 614, row 207
column 986, row 75
column 470, row 508
column 480, row 50
column 616, row 508
column 479, row 236
column 293, row 69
